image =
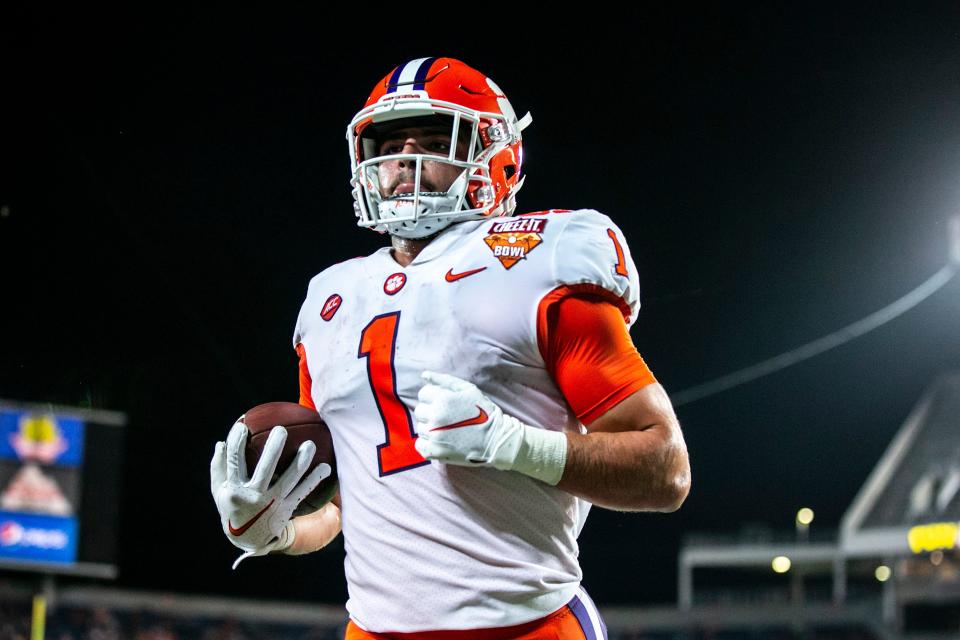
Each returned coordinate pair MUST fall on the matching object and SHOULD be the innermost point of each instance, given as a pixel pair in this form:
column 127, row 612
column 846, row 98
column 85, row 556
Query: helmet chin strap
column 416, row 221
column 407, row 216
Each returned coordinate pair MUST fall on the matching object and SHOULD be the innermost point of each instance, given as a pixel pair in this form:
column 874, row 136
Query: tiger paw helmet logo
column 511, row 241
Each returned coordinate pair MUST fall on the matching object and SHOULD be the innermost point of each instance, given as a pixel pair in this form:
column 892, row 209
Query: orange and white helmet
column 476, row 110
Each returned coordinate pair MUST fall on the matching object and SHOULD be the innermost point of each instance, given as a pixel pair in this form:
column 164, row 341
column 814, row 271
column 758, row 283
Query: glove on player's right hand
column 457, row 424
column 255, row 516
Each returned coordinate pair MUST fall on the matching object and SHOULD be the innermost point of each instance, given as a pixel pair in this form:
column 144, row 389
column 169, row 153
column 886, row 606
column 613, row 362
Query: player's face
column 398, row 176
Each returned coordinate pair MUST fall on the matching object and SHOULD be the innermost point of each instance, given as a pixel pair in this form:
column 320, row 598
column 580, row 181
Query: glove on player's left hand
column 255, row 516
column 459, row 425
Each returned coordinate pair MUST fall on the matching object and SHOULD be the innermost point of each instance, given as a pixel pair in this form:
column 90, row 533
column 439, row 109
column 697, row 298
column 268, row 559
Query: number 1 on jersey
column 377, row 344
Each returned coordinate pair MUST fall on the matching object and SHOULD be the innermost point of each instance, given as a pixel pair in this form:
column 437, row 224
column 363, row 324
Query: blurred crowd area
column 67, row 623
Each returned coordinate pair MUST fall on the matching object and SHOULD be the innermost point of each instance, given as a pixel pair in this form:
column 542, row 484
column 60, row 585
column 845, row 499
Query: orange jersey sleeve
column 587, row 348
column 306, row 383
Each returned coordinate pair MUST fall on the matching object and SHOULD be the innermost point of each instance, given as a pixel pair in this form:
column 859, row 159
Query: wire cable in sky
column 835, row 339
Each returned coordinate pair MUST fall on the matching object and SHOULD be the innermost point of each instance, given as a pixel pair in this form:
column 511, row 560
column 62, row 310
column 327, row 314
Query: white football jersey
column 430, row 545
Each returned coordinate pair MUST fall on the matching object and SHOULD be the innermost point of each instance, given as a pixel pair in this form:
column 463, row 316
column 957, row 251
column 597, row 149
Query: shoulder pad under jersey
column 592, row 252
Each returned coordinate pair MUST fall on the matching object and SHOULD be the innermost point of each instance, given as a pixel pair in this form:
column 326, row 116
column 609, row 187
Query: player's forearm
column 646, row 470
column 316, row 530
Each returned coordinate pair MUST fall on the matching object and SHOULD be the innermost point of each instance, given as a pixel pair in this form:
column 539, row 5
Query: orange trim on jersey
column 587, row 349
column 562, row 623
column 585, row 290
column 306, row 382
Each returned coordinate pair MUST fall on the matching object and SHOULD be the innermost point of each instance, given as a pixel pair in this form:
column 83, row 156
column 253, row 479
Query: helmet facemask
column 423, row 212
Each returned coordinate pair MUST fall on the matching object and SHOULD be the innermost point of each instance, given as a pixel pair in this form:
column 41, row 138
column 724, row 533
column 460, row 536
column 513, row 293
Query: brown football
column 302, row 424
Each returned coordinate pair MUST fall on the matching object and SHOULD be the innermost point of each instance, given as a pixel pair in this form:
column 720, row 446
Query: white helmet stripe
column 407, row 74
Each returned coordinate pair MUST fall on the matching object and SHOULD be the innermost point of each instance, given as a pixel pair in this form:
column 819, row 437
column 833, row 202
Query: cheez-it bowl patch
column 512, row 240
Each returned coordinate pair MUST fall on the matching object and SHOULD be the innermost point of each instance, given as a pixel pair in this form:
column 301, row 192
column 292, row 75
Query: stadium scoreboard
column 60, row 470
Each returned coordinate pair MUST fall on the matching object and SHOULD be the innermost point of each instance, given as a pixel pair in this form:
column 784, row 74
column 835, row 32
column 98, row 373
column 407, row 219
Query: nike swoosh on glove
column 254, row 515
column 457, row 424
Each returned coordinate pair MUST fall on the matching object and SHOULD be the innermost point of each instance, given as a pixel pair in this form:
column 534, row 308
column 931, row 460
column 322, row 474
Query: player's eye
column 438, row 145
column 389, row 148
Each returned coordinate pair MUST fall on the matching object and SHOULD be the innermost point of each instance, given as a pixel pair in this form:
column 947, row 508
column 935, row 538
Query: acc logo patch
column 330, row 306
column 512, row 240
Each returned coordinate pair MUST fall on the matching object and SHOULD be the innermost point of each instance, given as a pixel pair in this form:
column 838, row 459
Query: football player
column 478, row 378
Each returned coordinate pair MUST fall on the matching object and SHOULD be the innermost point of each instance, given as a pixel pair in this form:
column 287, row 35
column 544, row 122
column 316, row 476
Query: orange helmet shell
column 445, row 86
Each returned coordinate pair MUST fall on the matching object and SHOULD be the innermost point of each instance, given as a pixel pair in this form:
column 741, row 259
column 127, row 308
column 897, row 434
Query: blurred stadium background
column 170, row 179
column 890, row 571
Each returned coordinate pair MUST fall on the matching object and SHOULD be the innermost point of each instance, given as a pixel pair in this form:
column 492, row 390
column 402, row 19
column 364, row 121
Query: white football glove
column 255, row 516
column 459, row 425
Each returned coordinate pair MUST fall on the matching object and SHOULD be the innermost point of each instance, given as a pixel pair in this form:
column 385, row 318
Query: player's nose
column 410, row 145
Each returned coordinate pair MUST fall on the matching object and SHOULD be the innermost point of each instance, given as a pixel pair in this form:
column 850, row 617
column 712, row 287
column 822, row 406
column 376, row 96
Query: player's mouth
column 405, row 191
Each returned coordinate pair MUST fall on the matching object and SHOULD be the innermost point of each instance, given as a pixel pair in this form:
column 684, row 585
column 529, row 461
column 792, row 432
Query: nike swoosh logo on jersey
column 239, row 531
column 453, row 277
column 480, row 419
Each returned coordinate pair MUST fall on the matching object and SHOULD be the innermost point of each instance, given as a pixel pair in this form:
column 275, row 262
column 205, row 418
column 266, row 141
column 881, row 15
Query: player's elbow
column 663, row 494
column 676, row 492
column 675, row 481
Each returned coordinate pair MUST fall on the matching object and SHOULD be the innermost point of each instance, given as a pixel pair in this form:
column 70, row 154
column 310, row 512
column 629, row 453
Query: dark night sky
column 175, row 178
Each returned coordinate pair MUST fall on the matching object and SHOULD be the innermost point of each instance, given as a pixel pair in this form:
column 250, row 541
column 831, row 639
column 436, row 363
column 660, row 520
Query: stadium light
column 882, row 573
column 781, row 564
column 805, row 516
